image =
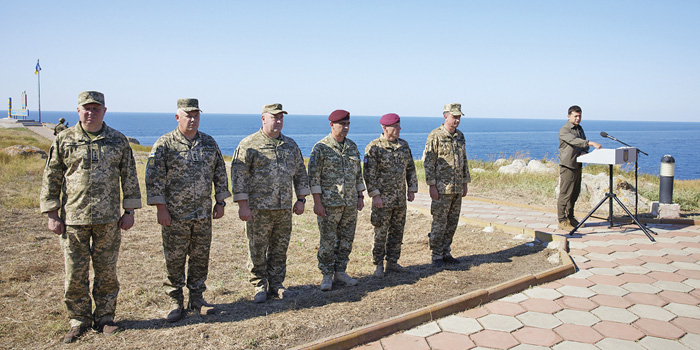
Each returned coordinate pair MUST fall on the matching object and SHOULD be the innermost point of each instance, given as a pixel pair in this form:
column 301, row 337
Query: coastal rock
column 537, row 166
column 24, row 151
column 476, row 170
column 514, row 168
column 133, row 140
column 500, row 161
column 594, row 188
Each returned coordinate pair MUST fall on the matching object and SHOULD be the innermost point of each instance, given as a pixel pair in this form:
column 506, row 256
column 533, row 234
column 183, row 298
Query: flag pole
column 38, row 79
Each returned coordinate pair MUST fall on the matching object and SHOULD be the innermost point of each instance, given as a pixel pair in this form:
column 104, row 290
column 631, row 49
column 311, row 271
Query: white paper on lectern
column 610, row 156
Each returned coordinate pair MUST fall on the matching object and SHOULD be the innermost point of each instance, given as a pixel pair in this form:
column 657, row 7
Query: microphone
column 605, row 134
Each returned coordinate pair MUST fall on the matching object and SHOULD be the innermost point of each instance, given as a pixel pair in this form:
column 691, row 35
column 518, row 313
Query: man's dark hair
column 574, row 108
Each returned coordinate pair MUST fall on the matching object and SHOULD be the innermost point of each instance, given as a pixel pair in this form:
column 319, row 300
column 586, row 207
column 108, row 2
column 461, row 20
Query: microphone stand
column 636, row 185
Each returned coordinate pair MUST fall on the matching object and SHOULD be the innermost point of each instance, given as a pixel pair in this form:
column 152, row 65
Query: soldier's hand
column 319, row 209
column 218, row 212
column 360, row 203
column 434, row 195
column 464, row 190
column 377, row 201
column 126, row 222
column 244, row 211
column 163, row 215
column 298, row 208
column 411, row 196
column 56, row 225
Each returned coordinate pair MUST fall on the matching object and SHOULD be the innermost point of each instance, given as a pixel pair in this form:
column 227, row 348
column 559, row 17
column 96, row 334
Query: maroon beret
column 389, row 119
column 339, row 115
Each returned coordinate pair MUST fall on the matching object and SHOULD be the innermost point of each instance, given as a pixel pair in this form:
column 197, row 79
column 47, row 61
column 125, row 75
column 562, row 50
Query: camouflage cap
column 86, row 97
column 188, row 104
column 273, row 108
column 454, row 108
column 61, row 120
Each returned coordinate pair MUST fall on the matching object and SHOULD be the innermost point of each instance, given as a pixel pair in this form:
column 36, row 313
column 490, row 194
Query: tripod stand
column 611, row 157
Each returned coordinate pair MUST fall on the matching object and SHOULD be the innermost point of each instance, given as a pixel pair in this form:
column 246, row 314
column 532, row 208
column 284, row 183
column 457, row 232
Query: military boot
column 74, row 333
column 177, row 311
column 565, row 225
column 379, row 271
column 197, row 304
column 327, row 282
column 573, row 221
column 343, row 277
column 394, row 266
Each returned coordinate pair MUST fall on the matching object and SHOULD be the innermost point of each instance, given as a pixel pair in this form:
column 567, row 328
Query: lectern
column 612, row 156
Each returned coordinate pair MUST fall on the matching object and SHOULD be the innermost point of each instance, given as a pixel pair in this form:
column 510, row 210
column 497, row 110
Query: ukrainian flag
column 37, row 68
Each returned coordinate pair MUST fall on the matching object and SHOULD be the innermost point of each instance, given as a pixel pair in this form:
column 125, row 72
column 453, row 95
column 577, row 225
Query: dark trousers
column 569, row 189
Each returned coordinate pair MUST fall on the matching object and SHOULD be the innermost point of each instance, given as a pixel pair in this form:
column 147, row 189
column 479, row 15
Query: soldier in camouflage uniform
column 447, row 175
column 389, row 168
column 60, row 126
column 335, row 176
column 181, row 169
column 265, row 166
column 87, row 163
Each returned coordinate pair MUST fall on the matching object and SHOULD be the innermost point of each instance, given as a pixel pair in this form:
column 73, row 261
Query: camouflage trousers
column 337, row 234
column 268, row 234
column 569, row 189
column 445, row 213
column 388, row 233
column 80, row 244
column 182, row 239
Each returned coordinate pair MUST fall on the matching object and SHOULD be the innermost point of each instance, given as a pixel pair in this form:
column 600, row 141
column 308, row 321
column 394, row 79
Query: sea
column 487, row 139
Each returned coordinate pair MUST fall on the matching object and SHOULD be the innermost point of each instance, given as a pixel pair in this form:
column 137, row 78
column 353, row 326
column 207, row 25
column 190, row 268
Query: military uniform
column 445, row 163
column 59, row 127
column 572, row 143
column 82, row 177
column 180, row 174
column 335, row 173
column 389, row 167
column 263, row 171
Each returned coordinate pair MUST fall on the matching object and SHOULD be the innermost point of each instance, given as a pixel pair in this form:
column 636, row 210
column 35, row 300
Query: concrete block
column 666, row 211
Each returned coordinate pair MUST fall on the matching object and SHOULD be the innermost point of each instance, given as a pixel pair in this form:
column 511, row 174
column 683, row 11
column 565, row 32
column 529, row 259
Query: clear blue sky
column 620, row 60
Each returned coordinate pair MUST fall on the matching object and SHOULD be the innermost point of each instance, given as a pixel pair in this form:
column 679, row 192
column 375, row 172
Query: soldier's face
column 340, row 129
column 392, row 132
column 452, row 122
column 575, row 118
column 188, row 123
column 273, row 123
column 91, row 116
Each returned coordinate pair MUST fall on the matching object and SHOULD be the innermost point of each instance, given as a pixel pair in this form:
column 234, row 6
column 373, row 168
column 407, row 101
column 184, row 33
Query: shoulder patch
column 151, row 161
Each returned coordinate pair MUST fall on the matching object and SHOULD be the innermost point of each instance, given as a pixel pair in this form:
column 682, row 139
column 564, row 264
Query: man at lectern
column 572, row 143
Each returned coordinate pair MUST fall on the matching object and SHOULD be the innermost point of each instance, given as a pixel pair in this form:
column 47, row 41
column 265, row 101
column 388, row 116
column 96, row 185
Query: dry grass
column 31, row 284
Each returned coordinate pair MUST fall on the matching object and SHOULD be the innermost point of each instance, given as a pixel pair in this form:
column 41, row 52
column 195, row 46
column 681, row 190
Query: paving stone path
column 629, row 293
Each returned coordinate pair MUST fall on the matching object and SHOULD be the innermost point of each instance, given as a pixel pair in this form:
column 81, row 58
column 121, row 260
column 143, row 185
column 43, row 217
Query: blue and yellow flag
column 37, row 68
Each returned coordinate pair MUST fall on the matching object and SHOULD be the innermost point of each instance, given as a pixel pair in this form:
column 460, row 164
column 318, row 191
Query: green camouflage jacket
column 180, row 174
column 263, row 171
column 335, row 172
column 82, row 177
column 389, row 167
column 445, row 161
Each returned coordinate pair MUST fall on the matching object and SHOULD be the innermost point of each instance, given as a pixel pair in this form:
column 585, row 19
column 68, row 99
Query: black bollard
column 668, row 165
